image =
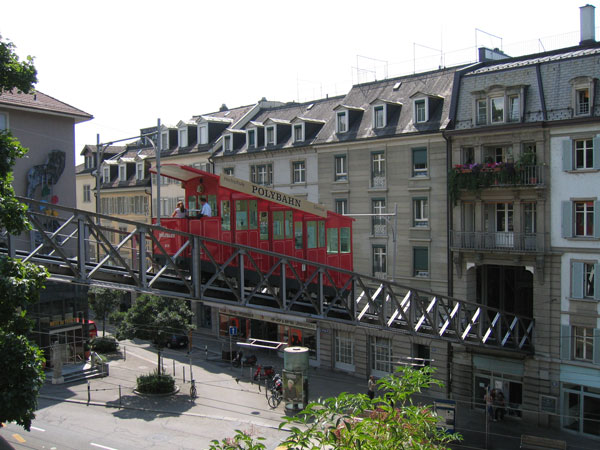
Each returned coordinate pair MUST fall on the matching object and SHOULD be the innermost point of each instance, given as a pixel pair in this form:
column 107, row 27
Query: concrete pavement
column 228, row 395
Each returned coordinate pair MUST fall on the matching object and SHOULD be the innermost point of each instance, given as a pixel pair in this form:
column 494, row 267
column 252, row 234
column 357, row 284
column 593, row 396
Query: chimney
column 486, row 54
column 223, row 107
column 587, row 24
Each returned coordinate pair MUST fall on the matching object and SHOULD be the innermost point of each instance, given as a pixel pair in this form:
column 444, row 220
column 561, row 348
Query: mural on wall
column 46, row 176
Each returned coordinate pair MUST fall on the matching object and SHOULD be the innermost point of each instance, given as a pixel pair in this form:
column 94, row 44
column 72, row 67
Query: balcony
column 510, row 241
column 474, row 177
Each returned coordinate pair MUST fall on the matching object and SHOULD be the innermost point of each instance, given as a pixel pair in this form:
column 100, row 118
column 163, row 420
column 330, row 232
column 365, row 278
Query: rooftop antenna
column 415, row 54
column 372, row 71
column 489, row 34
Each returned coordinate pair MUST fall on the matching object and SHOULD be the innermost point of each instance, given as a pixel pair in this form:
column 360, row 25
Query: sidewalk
column 227, row 394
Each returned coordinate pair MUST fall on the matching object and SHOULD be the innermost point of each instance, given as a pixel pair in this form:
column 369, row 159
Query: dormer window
column 203, row 134
column 251, row 138
column 164, row 141
column 582, row 102
column 183, row 137
column 139, row 171
column 497, row 109
column 122, row 172
column 227, row 141
column 379, row 116
column 341, row 122
column 89, row 161
column 499, row 105
column 299, row 132
column 270, row 138
column 106, row 174
column 421, row 113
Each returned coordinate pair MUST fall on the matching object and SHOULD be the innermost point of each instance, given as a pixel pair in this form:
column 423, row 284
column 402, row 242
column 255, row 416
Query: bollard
column 124, row 353
column 173, row 368
column 119, row 396
column 206, row 352
column 184, row 374
column 88, row 393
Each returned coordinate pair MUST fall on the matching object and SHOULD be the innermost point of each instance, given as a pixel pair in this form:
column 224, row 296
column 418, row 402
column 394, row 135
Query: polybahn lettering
column 93, row 249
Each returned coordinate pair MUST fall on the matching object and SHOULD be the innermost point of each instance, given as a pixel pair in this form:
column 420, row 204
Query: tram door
column 282, row 226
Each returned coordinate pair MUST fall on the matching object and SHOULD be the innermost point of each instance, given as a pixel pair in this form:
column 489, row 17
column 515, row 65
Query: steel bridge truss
column 98, row 250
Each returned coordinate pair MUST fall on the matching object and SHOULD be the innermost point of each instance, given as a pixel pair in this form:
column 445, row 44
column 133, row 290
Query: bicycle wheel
column 274, row 400
column 193, row 392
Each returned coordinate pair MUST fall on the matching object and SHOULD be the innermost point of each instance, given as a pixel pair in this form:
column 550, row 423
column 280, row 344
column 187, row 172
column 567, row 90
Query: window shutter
column 577, row 280
column 596, row 145
column 567, row 155
column 596, row 350
column 597, row 219
column 597, row 281
column 565, row 342
column 567, row 219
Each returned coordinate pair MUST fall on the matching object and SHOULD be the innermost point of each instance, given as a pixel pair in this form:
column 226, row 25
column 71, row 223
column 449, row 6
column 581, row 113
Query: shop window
column 344, row 350
column 581, row 408
column 381, row 356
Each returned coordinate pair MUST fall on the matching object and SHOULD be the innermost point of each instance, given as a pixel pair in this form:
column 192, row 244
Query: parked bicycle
column 275, row 391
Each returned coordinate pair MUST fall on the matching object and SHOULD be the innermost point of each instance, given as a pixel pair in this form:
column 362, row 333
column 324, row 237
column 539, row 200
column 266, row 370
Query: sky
column 130, row 62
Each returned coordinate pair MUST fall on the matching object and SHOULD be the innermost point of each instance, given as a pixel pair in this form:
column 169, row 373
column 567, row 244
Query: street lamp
column 386, row 217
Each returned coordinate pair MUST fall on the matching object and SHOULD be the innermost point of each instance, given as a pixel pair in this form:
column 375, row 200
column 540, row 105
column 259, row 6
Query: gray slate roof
column 42, row 103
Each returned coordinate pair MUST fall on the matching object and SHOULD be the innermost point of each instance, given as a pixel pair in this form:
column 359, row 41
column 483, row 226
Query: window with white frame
column 497, row 154
column 344, row 350
column 87, row 193
column 529, row 217
column 90, row 161
column 262, row 174
column 164, row 141
column 299, row 172
column 467, row 155
column 514, row 108
column 419, row 162
column 227, row 146
column 378, row 221
column 183, row 137
column 270, row 138
column 582, row 102
column 584, row 218
column 583, row 343
column 106, row 174
column 203, row 134
column 421, row 110
column 420, row 212
column 481, row 112
column 298, row 132
column 580, row 219
column 381, row 356
column 139, row 171
column 379, row 116
column 122, row 172
column 341, row 206
column 584, row 154
column 3, row 121
column 379, row 261
column 341, row 169
column 228, row 171
column 341, row 122
column 584, row 283
column 378, row 169
column 497, row 109
column 251, row 138
column 420, row 261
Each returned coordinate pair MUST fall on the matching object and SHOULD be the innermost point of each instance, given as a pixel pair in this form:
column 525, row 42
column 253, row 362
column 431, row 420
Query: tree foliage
column 355, row 422
column 103, row 302
column 155, row 319
column 22, row 375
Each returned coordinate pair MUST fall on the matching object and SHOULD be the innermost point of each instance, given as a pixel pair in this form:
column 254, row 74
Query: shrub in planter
column 154, row 383
column 104, row 344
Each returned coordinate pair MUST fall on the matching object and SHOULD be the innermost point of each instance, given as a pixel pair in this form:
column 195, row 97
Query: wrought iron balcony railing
column 501, row 241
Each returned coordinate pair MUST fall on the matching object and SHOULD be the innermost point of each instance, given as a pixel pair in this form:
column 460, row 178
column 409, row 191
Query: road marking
column 102, row 446
column 37, row 429
column 18, row 438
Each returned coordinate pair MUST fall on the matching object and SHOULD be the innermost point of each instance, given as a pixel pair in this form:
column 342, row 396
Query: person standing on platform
column 205, row 211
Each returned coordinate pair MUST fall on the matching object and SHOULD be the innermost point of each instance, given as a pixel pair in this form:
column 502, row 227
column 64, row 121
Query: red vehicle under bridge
column 93, row 249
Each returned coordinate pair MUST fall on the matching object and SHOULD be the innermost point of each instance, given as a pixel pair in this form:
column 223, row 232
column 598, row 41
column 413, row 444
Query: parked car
column 177, row 341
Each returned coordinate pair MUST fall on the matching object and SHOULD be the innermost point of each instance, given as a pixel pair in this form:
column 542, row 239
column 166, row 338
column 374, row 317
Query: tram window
column 191, row 205
column 253, row 219
column 264, row 225
column 311, row 234
column 277, row 224
column 298, row 234
column 289, row 223
column 344, row 240
column 225, row 215
column 321, row 233
column 241, row 215
column 332, row 240
column 212, row 201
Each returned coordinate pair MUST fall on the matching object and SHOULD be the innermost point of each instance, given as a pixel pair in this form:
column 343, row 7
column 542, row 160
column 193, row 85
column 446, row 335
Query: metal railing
column 223, row 273
column 501, row 241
